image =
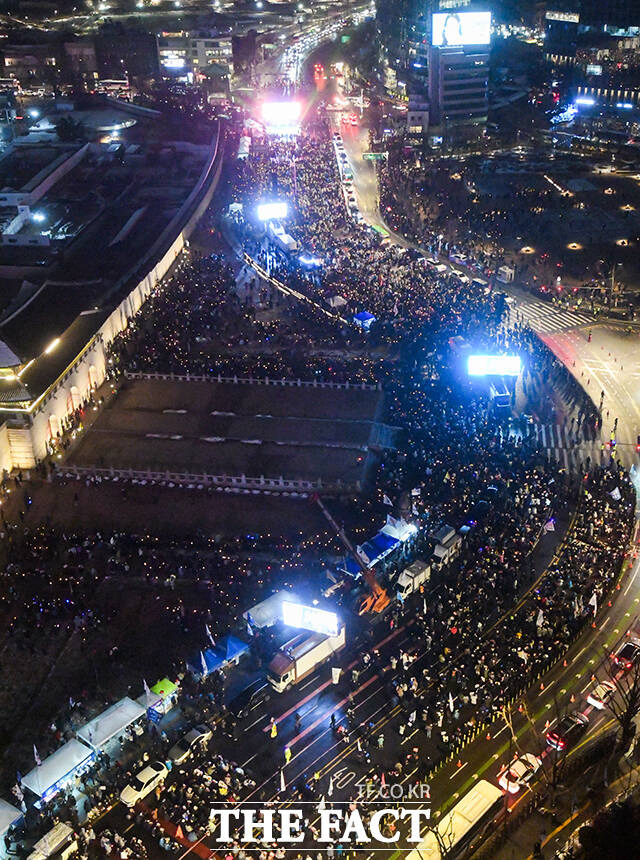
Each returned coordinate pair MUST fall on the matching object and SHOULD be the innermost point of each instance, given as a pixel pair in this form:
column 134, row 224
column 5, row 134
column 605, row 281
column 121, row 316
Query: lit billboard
column 268, row 211
column 494, row 365
column 460, row 28
column 282, row 117
column 310, row 618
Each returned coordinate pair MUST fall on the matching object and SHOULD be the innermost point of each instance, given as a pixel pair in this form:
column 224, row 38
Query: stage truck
column 301, row 655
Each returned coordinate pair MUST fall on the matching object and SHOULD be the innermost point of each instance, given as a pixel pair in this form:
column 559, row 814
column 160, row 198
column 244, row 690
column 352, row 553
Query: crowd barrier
column 204, row 481
column 256, row 380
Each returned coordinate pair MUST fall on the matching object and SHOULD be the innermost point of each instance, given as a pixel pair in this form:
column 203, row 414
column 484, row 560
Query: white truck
column 412, row 578
column 448, row 545
column 505, row 274
column 300, row 656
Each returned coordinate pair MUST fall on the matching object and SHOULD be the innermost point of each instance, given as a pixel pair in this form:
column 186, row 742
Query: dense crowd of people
column 459, row 459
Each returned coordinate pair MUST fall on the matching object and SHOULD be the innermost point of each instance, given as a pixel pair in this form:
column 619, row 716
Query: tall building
column 561, row 32
column 459, row 68
column 436, row 52
column 458, row 85
column 612, row 14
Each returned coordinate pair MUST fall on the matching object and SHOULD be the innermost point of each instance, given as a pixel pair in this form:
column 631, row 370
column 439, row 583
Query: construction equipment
column 377, row 600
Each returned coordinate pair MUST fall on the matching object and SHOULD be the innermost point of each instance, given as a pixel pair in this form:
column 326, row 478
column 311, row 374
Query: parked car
column 568, row 730
column 627, row 654
column 520, row 772
column 141, row 785
column 601, row 694
column 195, row 739
column 252, row 696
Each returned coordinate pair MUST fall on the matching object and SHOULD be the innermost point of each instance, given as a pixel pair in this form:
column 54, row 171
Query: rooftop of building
column 102, row 218
column 23, row 168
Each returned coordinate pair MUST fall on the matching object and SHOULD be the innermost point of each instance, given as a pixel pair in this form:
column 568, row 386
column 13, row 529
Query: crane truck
column 377, row 600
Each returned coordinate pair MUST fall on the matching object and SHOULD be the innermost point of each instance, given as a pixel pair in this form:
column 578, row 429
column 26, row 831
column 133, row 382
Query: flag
column 18, row 792
column 549, row 526
column 147, row 693
column 416, row 491
column 249, row 629
column 36, row 757
column 336, row 671
column 594, row 602
column 203, row 664
column 72, row 703
column 450, row 702
column 540, row 618
column 283, row 784
column 615, row 494
column 209, row 635
column 387, row 501
column 322, row 804
column 330, row 789
column 383, row 781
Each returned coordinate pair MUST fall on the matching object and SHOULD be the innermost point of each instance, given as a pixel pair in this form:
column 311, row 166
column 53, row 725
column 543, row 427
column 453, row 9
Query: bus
column 458, row 828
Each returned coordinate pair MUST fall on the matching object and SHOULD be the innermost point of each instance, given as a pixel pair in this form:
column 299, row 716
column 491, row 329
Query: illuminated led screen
column 494, row 365
column 460, row 28
column 268, row 211
column 310, row 618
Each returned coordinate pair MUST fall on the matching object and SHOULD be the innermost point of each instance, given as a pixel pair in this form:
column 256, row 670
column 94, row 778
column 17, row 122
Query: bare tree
column 625, row 704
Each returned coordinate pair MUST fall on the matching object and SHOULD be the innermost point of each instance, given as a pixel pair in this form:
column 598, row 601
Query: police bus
column 459, row 828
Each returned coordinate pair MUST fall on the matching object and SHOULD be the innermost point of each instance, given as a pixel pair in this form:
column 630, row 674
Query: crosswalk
column 546, row 318
column 568, row 449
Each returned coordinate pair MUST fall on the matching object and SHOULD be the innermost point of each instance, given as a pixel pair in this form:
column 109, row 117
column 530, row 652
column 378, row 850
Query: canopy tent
column 228, row 650
column 110, row 723
column 8, row 816
column 232, row 648
column 213, row 660
column 165, row 688
column 60, row 836
column 267, row 612
column 337, row 302
column 162, row 697
column 364, row 320
column 47, row 779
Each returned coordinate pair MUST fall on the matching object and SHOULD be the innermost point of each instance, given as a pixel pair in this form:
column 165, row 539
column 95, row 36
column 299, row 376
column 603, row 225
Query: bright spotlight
column 494, row 365
column 270, row 211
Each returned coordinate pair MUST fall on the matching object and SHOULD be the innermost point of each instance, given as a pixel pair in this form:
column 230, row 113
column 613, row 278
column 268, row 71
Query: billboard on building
column 460, row 28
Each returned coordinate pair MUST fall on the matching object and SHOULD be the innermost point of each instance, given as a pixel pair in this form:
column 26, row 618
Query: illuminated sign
column 453, row 4
column 173, row 62
column 569, row 17
column 494, row 365
column 460, row 28
column 268, row 211
column 594, row 69
column 310, row 618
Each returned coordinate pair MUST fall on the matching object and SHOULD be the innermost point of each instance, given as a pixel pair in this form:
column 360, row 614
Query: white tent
column 8, row 814
column 337, row 301
column 267, row 612
column 45, row 779
column 110, row 723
